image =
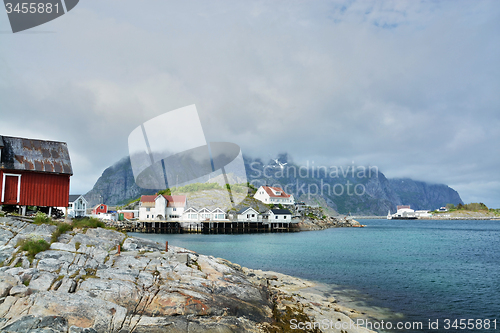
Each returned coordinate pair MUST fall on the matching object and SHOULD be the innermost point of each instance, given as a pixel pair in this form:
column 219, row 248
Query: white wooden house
column 77, row 206
column 162, row 207
column 218, row 214
column 279, row 216
column 147, row 209
column 204, row 214
column 176, row 206
column 248, row 214
column 191, row 214
column 273, row 195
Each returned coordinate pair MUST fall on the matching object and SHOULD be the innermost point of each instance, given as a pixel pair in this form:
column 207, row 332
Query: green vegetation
column 197, row 187
column 33, row 246
column 165, row 192
column 77, row 245
column 41, row 218
column 472, row 207
column 61, row 229
column 129, row 205
column 88, row 222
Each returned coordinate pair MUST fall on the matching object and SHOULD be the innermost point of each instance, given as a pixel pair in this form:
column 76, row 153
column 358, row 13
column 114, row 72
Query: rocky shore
column 328, row 222
column 82, row 283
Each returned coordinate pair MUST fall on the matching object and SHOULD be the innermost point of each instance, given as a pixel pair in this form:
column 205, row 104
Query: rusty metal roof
column 35, row 155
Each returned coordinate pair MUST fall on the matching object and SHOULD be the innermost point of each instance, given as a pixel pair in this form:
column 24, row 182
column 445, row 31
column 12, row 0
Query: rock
column 52, row 324
column 5, row 288
column 74, row 329
column 20, row 291
column 144, row 289
column 8, row 278
column 43, row 282
column 50, row 265
column 140, row 244
column 63, row 247
column 79, row 309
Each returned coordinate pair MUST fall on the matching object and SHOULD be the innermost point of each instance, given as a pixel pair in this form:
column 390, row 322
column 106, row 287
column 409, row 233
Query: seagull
column 281, row 165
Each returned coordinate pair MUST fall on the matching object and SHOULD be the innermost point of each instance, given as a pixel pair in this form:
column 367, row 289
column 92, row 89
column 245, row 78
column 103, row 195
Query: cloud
column 408, row 86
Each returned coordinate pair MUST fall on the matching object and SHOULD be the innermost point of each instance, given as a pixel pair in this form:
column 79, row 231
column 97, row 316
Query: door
column 11, row 189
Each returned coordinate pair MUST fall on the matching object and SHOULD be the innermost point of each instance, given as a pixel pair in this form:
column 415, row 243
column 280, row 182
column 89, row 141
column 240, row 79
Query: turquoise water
column 423, row 269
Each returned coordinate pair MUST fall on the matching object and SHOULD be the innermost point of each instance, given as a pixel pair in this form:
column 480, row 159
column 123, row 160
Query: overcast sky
column 412, row 87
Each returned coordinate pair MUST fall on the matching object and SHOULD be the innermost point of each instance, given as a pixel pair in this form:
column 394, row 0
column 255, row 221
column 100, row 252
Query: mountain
column 360, row 190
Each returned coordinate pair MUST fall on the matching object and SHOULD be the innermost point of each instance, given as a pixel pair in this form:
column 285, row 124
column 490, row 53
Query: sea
column 442, row 274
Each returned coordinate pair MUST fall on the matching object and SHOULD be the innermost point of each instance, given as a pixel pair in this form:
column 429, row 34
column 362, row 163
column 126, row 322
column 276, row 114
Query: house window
column 284, row 217
column 148, row 210
column 276, row 217
column 253, row 215
column 147, row 216
column 175, row 209
column 70, row 205
column 102, row 207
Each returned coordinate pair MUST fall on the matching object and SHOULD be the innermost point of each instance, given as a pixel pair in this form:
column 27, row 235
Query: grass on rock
column 33, row 246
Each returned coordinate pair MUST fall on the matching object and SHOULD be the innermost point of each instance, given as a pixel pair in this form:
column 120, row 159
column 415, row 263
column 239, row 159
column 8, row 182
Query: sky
column 411, row 87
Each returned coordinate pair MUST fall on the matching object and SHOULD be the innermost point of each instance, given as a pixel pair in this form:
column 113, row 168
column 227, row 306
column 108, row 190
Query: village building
column 273, row 195
column 128, row 214
column 422, row 214
column 248, row 214
column 100, row 209
column 162, row 207
column 34, row 173
column 147, row 207
column 77, row 206
column 204, row 214
column 404, row 212
column 279, row 216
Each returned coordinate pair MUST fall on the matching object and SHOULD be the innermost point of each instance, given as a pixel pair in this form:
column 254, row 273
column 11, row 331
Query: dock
column 210, row 227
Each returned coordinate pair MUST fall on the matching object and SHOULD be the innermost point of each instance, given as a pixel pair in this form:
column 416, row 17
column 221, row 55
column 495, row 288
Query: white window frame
column 18, row 185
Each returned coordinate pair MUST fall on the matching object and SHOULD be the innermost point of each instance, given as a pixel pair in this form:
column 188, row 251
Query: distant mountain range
column 360, row 190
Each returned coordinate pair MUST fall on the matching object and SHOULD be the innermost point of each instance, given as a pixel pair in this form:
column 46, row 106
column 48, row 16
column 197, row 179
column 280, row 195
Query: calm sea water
column 422, row 269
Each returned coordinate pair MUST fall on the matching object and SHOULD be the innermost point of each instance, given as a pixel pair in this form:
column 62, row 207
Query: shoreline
column 450, row 218
column 83, row 281
column 321, row 301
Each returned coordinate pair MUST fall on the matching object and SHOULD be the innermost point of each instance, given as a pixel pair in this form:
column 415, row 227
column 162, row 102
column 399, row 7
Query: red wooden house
column 34, row 172
column 100, row 208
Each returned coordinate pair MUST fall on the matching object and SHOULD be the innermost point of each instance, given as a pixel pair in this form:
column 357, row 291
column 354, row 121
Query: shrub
column 87, row 222
column 33, row 246
column 41, row 218
column 61, row 229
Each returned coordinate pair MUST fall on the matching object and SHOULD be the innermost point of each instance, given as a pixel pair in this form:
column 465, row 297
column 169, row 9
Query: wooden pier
column 212, row 227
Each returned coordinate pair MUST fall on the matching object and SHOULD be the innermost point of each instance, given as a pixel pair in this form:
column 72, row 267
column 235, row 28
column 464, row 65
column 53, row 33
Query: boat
column 403, row 213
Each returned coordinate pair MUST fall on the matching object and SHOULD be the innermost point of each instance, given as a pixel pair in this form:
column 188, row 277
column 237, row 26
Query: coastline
column 83, row 282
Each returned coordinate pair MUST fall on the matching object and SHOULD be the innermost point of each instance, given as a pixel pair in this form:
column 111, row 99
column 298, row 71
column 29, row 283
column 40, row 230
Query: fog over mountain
column 410, row 86
column 360, row 190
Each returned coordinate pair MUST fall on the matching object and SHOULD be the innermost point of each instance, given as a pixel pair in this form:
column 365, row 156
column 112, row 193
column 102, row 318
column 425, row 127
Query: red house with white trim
column 100, row 208
column 34, row 172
